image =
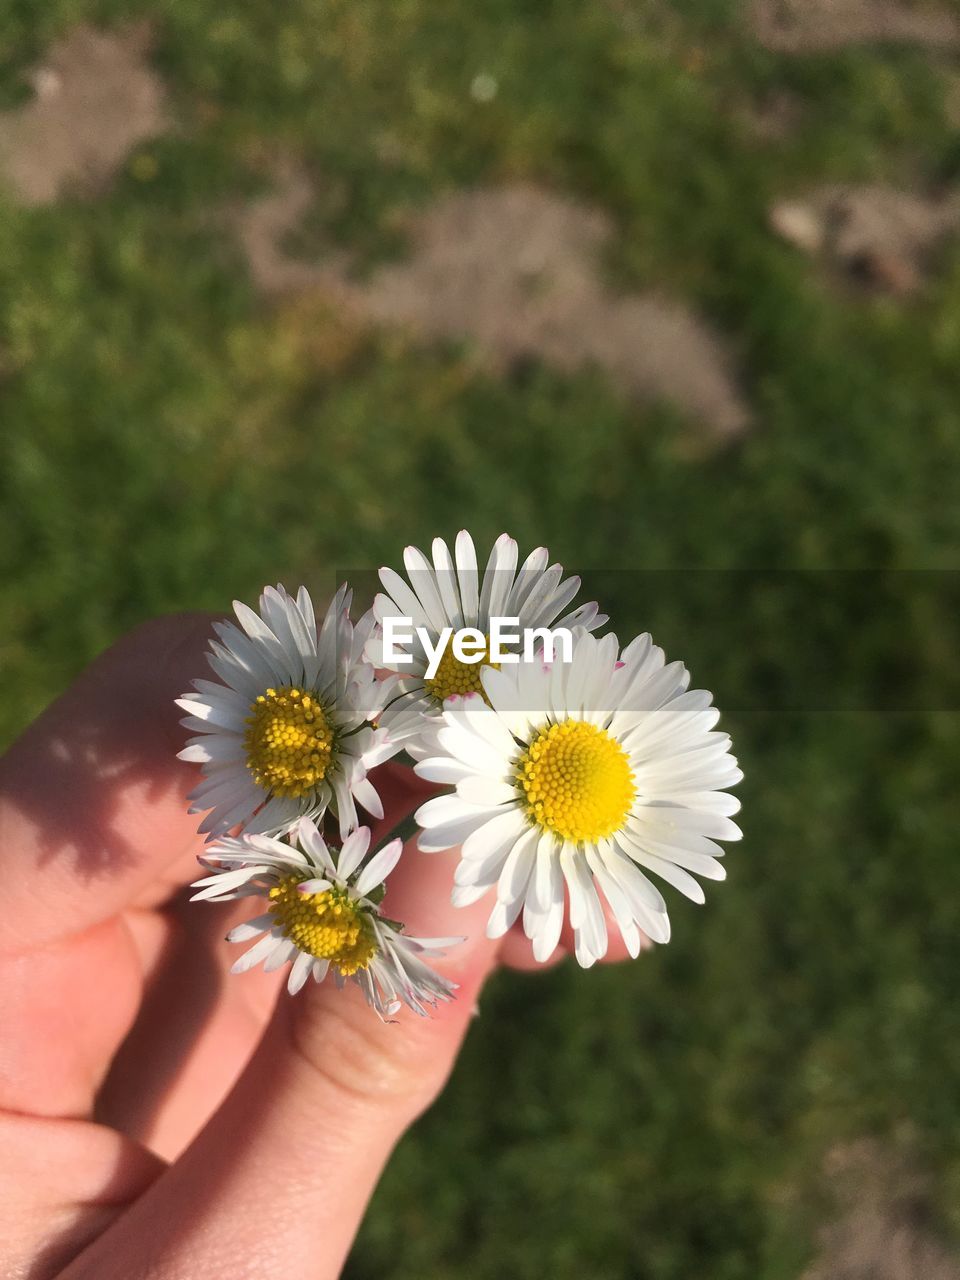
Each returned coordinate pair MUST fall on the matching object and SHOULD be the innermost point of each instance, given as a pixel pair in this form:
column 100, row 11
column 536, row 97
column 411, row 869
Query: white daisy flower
column 450, row 593
column 571, row 777
column 324, row 915
column 286, row 734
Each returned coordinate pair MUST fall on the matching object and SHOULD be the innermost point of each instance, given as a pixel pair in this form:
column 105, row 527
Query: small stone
column 799, row 224
column 484, row 87
column 45, row 82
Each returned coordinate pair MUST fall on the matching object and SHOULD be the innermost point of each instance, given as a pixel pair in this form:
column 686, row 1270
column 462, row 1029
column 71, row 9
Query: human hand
column 160, row 1119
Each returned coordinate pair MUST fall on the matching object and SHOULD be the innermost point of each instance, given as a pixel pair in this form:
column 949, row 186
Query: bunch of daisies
column 565, row 778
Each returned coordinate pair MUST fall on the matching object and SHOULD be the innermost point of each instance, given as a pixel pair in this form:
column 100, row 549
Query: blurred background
column 673, row 289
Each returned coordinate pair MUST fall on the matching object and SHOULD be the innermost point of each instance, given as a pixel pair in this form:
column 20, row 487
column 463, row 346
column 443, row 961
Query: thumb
column 278, row 1181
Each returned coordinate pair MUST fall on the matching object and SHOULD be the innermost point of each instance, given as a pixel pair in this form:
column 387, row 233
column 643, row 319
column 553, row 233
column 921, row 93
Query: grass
column 169, row 442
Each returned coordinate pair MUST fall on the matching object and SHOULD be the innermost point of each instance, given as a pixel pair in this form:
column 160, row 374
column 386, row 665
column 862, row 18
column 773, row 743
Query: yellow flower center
column 576, row 781
column 326, row 925
column 454, row 676
column 289, row 741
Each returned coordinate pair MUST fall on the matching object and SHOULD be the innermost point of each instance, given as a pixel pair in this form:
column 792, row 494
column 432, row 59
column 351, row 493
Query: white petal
column 278, row 814
column 498, row 579
column 305, row 605
column 701, row 864
column 503, row 918
column 497, row 834
column 537, row 898
column 442, row 809
column 299, row 972
column 546, row 917
column 466, row 895
column 470, row 747
column 353, row 852
column 585, row 904
column 310, row 839
column 365, row 793
column 619, row 903
column 466, row 557
column 449, row 834
column 446, row 582
column 443, row 769
column 379, row 867
column 225, row 882
column 423, row 580
column 251, row 928
column 530, row 571
column 486, row 791
column 259, row 951
column 477, row 718
column 288, row 624
column 483, row 870
column 282, row 954
column 662, row 821
column 674, row 875
column 314, row 886
column 637, row 888
column 227, row 711
column 404, row 601
column 345, row 806
column 518, row 868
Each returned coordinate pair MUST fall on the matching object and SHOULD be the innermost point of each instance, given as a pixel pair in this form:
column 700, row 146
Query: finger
column 92, row 819
column 303, row 1137
column 61, row 1183
column 193, row 1034
column 191, row 1040
column 92, row 795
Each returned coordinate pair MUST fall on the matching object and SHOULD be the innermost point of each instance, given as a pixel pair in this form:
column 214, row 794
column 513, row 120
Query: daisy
column 286, row 733
column 575, row 779
column 450, row 593
column 323, row 914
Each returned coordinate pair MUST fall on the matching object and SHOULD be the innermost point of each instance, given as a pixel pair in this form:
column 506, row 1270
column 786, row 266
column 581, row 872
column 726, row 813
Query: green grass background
column 169, row 441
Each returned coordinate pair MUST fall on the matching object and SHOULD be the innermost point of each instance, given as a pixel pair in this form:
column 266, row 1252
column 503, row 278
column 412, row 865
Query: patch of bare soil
column 882, row 1230
column 263, row 228
column 807, row 26
column 514, row 270
column 875, row 236
column 95, row 98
